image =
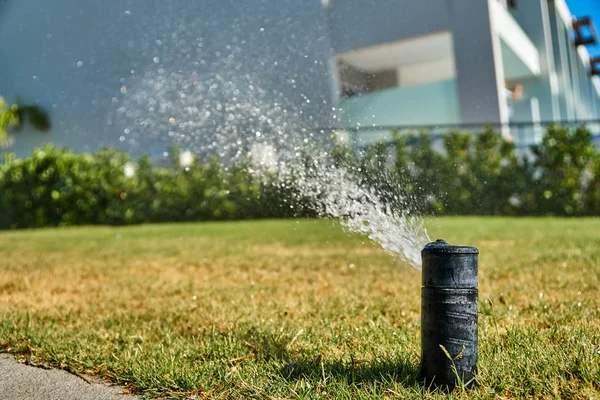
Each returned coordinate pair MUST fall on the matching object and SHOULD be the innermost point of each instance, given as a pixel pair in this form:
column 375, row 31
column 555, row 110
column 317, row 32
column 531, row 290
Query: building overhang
column 392, row 55
column 521, row 57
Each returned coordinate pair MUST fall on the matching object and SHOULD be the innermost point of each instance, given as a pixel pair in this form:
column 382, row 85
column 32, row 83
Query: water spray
column 449, row 315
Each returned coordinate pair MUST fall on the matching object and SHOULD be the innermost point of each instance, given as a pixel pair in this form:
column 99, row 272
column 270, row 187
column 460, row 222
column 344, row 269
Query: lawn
column 297, row 309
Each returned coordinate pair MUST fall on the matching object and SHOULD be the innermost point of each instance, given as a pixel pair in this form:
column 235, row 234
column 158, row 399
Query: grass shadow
column 397, row 370
column 270, row 346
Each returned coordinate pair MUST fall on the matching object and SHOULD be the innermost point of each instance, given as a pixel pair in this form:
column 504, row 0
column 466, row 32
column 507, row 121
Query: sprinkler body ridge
column 449, row 313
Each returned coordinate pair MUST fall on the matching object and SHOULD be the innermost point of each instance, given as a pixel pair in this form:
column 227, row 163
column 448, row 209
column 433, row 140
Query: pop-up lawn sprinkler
column 449, row 315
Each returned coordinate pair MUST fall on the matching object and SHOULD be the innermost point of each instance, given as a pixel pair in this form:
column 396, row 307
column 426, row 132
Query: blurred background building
column 517, row 64
column 363, row 65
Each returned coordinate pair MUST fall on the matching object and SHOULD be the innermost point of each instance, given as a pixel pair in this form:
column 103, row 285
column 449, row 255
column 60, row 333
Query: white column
column 479, row 71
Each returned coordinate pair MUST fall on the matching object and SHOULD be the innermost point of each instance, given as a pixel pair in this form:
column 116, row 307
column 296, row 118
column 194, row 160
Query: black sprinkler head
column 449, row 315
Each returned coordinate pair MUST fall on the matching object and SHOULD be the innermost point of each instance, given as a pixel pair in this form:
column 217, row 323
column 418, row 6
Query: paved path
column 23, row 382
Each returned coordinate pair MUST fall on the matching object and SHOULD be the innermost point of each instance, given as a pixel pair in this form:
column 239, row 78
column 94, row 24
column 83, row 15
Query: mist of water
column 229, row 114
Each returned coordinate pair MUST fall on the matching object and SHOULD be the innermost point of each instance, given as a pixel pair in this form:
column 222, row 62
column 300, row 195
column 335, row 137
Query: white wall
column 74, row 57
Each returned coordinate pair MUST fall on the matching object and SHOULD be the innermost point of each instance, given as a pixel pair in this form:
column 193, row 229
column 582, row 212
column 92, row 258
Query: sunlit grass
column 297, row 309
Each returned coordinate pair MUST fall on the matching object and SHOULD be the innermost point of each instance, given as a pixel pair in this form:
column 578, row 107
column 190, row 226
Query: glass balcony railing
column 433, row 103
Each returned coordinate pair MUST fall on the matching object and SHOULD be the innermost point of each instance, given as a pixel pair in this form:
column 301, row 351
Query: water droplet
column 156, row 60
column 80, row 63
column 215, row 114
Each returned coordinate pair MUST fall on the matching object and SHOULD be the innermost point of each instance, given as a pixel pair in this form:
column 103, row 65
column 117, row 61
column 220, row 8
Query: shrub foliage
column 471, row 174
column 13, row 117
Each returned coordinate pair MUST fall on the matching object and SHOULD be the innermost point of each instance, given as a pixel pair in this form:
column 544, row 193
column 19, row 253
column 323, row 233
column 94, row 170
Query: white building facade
column 363, row 65
column 453, row 64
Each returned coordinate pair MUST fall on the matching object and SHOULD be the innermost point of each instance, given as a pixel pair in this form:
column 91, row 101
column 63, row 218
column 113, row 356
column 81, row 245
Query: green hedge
column 481, row 174
column 475, row 174
column 55, row 187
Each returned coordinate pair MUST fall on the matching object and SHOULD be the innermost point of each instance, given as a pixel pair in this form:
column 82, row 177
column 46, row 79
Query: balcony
column 409, row 82
column 585, row 33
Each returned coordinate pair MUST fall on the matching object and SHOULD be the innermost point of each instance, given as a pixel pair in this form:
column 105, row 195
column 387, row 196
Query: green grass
column 272, row 309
